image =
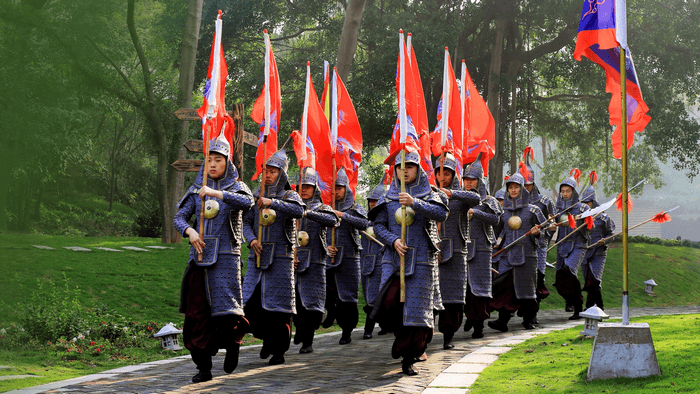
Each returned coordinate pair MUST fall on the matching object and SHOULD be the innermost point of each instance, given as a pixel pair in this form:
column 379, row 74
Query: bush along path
column 361, row 366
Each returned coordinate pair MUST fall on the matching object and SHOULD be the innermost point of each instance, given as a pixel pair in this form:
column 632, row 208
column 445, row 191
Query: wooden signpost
column 240, row 137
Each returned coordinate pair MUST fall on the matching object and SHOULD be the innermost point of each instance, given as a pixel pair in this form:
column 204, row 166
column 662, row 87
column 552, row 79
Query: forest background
column 88, row 90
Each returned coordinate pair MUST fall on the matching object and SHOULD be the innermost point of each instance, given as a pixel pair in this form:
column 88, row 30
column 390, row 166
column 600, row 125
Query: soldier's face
column 307, row 191
column 471, row 183
column 444, row 177
column 590, row 204
column 500, row 201
column 217, row 165
column 410, row 174
column 339, row 192
column 271, row 174
column 529, row 187
column 566, row 192
column 372, row 203
column 513, row 190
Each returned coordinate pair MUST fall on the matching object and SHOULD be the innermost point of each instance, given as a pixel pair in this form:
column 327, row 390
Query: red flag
column 448, row 134
column 346, row 134
column 480, row 128
column 420, row 117
column 313, row 122
column 267, row 110
column 213, row 111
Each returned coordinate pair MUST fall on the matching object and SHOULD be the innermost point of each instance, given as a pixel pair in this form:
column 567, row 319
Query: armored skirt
column 371, row 257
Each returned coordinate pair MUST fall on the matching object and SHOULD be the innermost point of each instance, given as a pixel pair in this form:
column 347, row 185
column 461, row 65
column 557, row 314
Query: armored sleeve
column 585, row 232
column 609, row 227
column 323, row 218
column 537, row 216
column 359, row 223
column 291, row 205
column 466, row 196
column 430, row 209
column 249, row 230
column 381, row 227
column 486, row 216
column 187, row 208
column 238, row 201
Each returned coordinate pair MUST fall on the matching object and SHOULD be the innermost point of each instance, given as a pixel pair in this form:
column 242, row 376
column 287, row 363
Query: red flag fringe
column 593, row 177
column 528, row 151
column 662, row 217
column 576, row 173
column 572, row 221
column 524, row 171
column 589, row 222
column 630, row 205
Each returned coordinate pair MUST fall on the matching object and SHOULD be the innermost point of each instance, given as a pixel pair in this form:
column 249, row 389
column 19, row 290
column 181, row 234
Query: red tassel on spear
column 572, row 221
column 593, row 177
column 524, row 171
column 576, row 173
column 589, row 222
column 528, row 151
column 662, row 217
column 630, row 205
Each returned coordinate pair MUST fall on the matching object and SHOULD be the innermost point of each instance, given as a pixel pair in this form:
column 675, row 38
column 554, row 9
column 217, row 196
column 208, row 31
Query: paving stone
column 466, row 368
column 454, row 380
column 158, row 247
column 44, row 247
column 435, row 390
column 77, row 248
column 108, row 249
column 479, row 358
column 134, row 248
column 507, row 342
column 10, row 377
column 492, row 350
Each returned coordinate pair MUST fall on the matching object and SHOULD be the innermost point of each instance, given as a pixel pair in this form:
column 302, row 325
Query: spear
column 332, row 91
column 587, row 214
column 204, row 183
column 403, row 127
column 371, row 238
column 268, row 49
column 660, row 217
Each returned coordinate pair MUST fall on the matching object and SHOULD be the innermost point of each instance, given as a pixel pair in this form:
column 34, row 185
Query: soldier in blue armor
column 514, row 287
column 499, row 196
column 454, row 235
column 268, row 291
column 594, row 263
column 371, row 258
column 546, row 205
column 211, row 297
column 481, row 220
column 311, row 261
column 571, row 252
column 410, row 321
column 343, row 263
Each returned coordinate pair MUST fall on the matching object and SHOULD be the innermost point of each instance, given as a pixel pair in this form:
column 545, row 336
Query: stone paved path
column 361, row 366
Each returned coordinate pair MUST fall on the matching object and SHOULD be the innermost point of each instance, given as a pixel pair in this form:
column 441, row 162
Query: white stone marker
column 623, row 351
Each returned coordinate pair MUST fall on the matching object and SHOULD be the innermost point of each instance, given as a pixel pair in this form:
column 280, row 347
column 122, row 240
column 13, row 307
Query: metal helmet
column 309, row 177
column 341, row 179
column 411, row 157
column 500, row 193
column 378, row 192
column 449, row 162
column 220, row 145
column 588, row 195
column 516, row 178
column 473, row 170
column 279, row 159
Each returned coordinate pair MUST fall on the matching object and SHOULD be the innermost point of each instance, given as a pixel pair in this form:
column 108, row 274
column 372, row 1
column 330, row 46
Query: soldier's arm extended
column 430, row 209
column 239, row 201
column 292, row 205
column 466, row 196
column 356, row 221
column 324, row 217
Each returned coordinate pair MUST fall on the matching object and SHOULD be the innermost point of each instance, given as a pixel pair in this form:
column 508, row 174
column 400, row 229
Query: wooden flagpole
column 204, row 183
column 625, row 230
column 402, row 267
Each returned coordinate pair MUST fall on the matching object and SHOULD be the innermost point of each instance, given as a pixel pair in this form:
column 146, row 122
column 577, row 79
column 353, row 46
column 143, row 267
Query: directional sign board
column 194, row 145
column 187, row 114
column 187, row 164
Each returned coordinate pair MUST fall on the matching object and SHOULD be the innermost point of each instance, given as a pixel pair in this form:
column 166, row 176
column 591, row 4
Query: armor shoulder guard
column 292, row 196
column 493, row 204
column 372, row 214
column 535, row 210
column 443, row 195
column 241, row 188
column 359, row 210
column 437, row 197
column 191, row 190
column 326, row 209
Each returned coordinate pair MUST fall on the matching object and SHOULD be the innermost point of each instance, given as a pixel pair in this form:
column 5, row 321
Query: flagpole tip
column 308, row 63
column 462, row 60
column 265, row 31
column 400, row 31
column 446, row 49
column 219, row 16
column 409, row 34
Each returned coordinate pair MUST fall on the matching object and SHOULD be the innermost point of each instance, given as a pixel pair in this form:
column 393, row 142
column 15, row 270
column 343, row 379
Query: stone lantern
column 593, row 315
column 650, row 286
column 168, row 337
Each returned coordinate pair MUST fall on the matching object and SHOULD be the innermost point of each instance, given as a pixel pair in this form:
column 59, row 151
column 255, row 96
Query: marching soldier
column 268, row 290
column 514, row 287
column 410, row 321
column 343, row 275
column 311, row 261
column 481, row 220
column 594, row 263
column 571, row 252
column 546, row 205
column 371, row 257
column 211, row 297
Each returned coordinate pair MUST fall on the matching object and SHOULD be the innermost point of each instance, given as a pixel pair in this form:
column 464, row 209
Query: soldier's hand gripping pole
column 204, row 183
column 262, row 194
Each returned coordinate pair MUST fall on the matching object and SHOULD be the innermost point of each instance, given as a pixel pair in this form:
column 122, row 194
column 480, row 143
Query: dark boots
column 447, row 341
column 501, row 324
column 231, row 360
column 478, row 329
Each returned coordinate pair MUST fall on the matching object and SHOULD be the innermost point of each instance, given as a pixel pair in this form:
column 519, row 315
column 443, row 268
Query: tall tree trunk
column 496, row 173
column 348, row 38
column 188, row 54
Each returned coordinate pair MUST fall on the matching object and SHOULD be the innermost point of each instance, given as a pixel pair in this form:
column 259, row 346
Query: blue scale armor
column 276, row 272
column 546, row 205
column 522, row 257
column 422, row 283
column 371, row 257
column 222, row 236
column 572, row 251
column 603, row 227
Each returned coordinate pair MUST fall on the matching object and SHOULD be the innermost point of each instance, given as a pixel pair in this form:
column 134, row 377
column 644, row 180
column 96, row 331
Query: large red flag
column 420, row 117
column 346, row 134
column 213, row 111
column 448, row 134
column 480, row 128
column 601, row 34
column 267, row 109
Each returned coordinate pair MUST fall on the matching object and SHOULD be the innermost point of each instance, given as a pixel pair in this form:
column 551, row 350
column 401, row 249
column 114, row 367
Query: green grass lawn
column 558, row 362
